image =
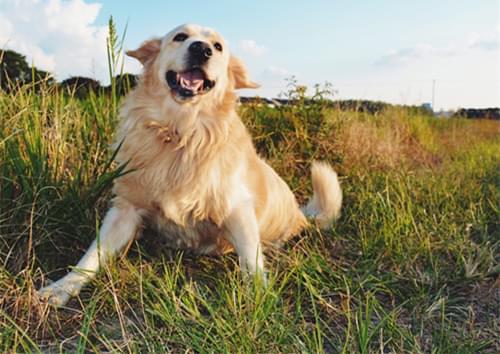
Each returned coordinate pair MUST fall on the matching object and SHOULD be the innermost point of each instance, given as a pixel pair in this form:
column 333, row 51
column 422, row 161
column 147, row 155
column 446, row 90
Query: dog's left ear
column 147, row 51
column 239, row 75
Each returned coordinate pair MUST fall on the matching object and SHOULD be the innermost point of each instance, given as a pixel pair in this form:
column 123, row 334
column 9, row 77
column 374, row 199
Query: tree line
column 16, row 72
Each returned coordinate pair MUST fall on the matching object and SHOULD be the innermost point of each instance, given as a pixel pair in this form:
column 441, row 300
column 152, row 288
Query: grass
column 411, row 266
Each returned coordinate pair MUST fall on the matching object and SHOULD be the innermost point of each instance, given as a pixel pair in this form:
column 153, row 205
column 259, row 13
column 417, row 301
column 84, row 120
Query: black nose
column 200, row 51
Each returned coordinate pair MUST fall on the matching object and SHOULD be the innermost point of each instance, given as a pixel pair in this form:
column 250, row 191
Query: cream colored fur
column 327, row 198
column 196, row 175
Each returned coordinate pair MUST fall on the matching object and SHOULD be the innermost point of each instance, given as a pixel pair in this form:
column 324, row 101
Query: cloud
column 274, row 72
column 421, row 50
column 489, row 41
column 57, row 36
column 485, row 41
column 273, row 81
column 487, row 44
column 249, row 46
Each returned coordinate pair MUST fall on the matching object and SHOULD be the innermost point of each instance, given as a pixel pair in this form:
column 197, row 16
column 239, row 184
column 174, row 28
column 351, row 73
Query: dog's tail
column 326, row 201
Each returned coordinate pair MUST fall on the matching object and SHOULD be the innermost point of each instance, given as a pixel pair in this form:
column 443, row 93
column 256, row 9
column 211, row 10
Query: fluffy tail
column 325, row 204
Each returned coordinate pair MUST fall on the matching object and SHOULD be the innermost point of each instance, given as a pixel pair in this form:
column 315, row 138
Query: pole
column 433, row 94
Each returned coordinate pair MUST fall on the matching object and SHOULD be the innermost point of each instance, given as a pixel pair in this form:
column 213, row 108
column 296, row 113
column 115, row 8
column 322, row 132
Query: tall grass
column 412, row 265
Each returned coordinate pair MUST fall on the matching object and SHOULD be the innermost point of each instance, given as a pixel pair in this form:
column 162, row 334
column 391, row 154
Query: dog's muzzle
column 189, row 83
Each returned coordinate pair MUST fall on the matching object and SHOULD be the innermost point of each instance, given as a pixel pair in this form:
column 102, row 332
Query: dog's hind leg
column 118, row 229
column 244, row 235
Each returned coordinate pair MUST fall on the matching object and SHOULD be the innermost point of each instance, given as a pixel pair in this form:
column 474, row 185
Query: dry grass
column 393, row 140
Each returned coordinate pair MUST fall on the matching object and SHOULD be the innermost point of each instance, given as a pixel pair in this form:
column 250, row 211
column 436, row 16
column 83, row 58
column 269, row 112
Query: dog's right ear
column 147, row 51
column 239, row 75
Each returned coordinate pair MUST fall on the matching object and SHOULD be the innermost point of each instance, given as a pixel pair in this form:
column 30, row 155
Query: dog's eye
column 180, row 37
column 218, row 46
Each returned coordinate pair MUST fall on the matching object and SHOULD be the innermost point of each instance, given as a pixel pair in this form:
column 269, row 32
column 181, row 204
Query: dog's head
column 191, row 63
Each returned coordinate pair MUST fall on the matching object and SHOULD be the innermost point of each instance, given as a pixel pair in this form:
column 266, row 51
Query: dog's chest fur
column 183, row 189
column 180, row 183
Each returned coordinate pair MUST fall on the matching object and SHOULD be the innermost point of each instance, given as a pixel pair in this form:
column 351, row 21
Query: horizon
column 448, row 53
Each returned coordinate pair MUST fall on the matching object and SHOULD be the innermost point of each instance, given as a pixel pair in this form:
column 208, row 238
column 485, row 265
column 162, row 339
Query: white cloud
column 249, row 46
column 273, row 81
column 276, row 72
column 489, row 41
column 58, row 36
column 485, row 41
column 419, row 51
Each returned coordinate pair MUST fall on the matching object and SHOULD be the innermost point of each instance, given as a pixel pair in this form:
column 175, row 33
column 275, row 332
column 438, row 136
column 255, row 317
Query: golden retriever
column 195, row 173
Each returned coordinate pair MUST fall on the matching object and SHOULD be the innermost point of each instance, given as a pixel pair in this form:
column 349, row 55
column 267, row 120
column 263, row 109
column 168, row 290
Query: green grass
column 411, row 266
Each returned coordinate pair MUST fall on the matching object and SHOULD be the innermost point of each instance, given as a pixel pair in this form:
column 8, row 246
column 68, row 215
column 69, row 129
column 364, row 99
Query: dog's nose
column 200, row 51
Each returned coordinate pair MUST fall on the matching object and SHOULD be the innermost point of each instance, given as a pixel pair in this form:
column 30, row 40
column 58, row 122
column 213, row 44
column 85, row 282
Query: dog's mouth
column 189, row 83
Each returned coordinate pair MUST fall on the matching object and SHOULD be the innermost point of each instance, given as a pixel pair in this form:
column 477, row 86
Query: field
column 412, row 265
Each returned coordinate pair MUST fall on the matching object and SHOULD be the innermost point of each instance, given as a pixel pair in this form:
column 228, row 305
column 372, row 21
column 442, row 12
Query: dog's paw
column 58, row 293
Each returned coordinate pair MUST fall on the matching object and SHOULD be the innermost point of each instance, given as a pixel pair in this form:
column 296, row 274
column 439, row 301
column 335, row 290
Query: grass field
column 411, row 266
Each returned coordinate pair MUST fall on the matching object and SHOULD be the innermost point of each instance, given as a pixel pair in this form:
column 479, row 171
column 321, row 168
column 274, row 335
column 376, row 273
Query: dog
column 194, row 172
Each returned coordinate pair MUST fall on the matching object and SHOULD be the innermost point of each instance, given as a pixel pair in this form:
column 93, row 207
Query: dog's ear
column 147, row 51
column 239, row 74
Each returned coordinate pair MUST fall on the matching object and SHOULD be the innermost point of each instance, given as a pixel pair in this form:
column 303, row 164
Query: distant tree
column 478, row 113
column 81, row 86
column 124, row 83
column 15, row 71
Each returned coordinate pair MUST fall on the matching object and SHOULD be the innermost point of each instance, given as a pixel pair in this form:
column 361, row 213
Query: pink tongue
column 191, row 80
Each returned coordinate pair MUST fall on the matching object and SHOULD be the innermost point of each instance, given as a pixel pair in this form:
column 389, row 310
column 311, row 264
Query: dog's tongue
column 191, row 80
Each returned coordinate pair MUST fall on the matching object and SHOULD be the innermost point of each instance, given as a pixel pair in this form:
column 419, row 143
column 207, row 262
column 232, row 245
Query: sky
column 389, row 50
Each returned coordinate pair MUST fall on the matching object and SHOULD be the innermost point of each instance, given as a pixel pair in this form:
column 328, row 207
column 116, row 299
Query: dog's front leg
column 244, row 235
column 119, row 227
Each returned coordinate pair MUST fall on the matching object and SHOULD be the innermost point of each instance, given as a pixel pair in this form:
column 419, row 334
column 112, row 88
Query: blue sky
column 386, row 50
